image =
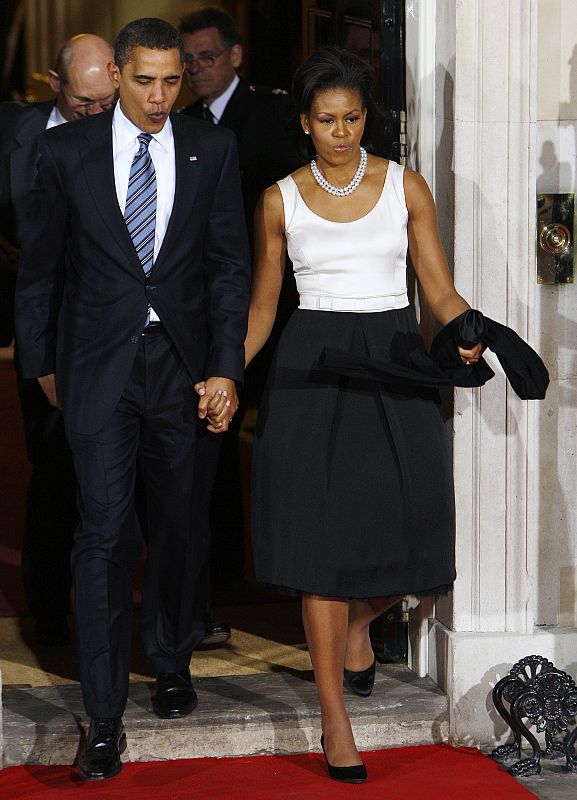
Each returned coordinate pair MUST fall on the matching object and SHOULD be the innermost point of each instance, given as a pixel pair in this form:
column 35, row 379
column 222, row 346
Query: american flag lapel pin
column 192, row 158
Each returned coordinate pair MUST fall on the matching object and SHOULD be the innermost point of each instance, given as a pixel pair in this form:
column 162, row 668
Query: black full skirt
column 352, row 481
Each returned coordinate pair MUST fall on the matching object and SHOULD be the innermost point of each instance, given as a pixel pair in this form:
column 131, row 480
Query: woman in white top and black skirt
column 352, row 484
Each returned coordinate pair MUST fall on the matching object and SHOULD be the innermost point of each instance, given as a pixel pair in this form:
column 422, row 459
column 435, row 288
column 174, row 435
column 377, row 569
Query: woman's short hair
column 332, row 68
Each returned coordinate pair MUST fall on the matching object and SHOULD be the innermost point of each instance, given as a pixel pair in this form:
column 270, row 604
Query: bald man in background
column 82, row 86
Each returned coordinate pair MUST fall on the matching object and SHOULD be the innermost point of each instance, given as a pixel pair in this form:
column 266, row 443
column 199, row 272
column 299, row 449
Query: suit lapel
column 34, row 123
column 194, row 111
column 187, row 173
column 99, row 168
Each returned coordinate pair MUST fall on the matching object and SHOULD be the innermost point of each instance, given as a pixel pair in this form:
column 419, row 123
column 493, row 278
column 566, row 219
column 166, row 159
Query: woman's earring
column 307, row 131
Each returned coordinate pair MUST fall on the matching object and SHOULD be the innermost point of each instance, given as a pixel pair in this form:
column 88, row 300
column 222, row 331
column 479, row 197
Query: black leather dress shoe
column 100, row 758
column 361, row 682
column 216, row 632
column 174, row 695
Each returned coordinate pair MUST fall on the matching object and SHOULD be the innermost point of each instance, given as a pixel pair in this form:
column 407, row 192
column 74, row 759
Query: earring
column 307, row 131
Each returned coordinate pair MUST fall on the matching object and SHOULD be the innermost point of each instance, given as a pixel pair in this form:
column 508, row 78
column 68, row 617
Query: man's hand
column 48, row 385
column 218, row 402
column 9, row 255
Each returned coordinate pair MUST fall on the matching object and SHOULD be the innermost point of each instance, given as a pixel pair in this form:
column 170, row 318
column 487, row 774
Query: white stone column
column 511, row 464
column 494, row 252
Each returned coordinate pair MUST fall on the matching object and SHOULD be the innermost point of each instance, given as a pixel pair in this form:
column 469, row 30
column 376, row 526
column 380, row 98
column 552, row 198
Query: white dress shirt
column 55, row 118
column 218, row 106
column 125, row 145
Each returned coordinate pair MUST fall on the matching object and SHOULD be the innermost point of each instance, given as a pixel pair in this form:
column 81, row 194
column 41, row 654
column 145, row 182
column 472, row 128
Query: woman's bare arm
column 269, row 262
column 428, row 258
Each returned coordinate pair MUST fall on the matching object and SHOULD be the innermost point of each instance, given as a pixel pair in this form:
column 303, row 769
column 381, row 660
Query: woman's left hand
column 473, row 354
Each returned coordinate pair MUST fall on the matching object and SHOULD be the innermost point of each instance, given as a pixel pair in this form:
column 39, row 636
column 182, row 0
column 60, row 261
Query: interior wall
column 49, row 23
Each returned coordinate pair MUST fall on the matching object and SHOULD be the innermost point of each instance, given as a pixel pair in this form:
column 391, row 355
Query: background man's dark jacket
column 20, row 126
column 260, row 118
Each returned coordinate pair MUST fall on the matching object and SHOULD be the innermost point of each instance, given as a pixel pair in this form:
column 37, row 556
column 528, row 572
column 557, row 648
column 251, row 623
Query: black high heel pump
column 355, row 774
column 362, row 681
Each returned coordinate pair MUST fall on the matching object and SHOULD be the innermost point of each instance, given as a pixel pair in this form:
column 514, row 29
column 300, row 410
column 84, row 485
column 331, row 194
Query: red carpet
column 432, row 772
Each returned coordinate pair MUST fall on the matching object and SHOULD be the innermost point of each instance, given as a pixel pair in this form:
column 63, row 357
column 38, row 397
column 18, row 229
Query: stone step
column 266, row 713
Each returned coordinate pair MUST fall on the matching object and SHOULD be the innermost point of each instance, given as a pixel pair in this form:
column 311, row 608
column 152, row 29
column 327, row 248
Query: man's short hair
column 149, row 32
column 63, row 62
column 212, row 18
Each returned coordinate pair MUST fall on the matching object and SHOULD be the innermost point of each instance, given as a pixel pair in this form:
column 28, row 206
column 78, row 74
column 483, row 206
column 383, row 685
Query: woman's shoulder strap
column 290, row 197
column 396, row 180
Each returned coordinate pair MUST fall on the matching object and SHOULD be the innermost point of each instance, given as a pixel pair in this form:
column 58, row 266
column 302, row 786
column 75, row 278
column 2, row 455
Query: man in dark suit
column 144, row 210
column 259, row 118
column 82, row 87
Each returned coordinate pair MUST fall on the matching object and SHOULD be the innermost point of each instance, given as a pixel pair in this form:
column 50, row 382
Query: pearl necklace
column 339, row 191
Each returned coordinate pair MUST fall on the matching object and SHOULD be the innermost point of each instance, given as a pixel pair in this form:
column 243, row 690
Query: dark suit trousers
column 155, row 423
column 51, row 516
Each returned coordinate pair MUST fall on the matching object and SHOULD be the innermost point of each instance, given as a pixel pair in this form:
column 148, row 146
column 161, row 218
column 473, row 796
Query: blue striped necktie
column 140, row 209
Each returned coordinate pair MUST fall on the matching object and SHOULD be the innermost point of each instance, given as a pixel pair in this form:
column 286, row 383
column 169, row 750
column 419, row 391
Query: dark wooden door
column 281, row 34
column 374, row 29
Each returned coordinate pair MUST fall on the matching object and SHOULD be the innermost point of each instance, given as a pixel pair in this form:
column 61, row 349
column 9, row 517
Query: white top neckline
column 351, row 221
column 357, row 266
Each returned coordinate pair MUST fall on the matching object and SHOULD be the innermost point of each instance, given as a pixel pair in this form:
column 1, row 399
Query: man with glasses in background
column 259, row 117
column 82, row 87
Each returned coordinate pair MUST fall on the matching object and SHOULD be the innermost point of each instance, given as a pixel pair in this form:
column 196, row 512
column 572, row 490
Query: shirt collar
column 55, row 117
column 218, row 106
column 126, row 132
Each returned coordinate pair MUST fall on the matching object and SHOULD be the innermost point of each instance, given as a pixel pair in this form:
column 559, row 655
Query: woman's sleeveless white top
column 350, row 266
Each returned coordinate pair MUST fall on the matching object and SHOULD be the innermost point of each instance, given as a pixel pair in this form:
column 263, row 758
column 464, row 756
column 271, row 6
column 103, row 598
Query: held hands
column 218, row 402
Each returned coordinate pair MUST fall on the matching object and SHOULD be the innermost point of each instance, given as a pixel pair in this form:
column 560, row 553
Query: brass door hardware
column 555, row 238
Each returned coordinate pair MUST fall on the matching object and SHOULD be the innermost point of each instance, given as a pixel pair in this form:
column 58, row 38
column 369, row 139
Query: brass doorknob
column 555, row 238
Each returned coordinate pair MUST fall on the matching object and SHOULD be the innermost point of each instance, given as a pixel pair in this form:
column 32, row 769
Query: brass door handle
column 555, row 238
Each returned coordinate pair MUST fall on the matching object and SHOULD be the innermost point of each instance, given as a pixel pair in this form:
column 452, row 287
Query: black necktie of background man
column 208, row 115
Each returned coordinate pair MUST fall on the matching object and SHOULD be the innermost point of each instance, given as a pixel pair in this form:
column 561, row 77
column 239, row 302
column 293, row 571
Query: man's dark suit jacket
column 260, row 119
column 198, row 285
column 20, row 126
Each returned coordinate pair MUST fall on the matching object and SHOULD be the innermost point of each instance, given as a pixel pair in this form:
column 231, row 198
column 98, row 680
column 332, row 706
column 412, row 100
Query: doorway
column 281, row 34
